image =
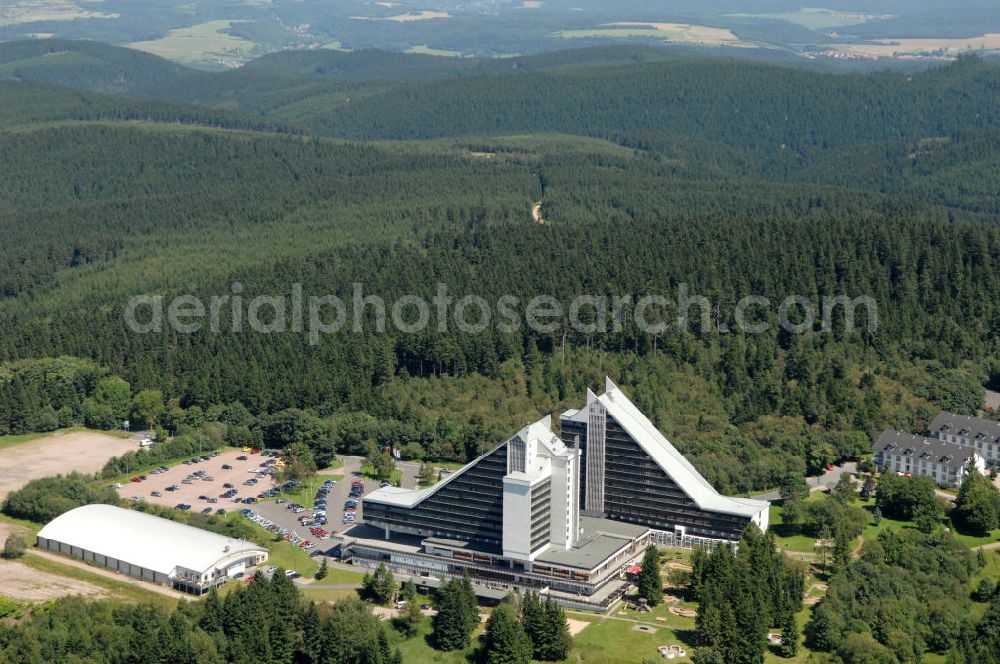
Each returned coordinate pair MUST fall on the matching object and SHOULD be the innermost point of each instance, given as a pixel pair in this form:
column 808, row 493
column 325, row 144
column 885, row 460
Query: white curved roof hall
column 144, row 540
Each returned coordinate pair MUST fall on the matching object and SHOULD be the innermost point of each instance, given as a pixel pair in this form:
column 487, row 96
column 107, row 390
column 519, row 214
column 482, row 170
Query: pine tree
column 557, row 642
column 281, row 645
column 649, row 583
column 470, row 605
column 451, row 623
column 789, row 635
column 312, row 626
column 284, row 597
column 379, row 585
column 841, row 549
column 409, row 591
column 505, row 641
column 322, row 571
column 211, row 617
column 534, row 619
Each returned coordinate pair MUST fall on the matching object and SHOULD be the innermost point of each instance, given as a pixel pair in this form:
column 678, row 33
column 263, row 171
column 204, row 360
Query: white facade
column 149, row 547
column 942, row 461
column 539, row 486
column 977, row 433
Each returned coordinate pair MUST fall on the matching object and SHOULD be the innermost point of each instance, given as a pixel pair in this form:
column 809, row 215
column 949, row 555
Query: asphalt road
column 284, row 517
column 827, row 480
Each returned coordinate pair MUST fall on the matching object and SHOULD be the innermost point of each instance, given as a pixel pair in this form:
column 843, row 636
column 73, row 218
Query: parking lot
column 243, row 467
column 281, row 515
column 208, row 478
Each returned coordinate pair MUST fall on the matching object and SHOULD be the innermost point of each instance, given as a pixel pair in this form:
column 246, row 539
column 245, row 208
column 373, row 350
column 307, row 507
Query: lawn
column 120, row 589
column 203, row 43
column 30, row 526
column 617, row 642
column 288, row 556
column 973, row 540
column 786, row 539
column 418, row 649
column 396, row 477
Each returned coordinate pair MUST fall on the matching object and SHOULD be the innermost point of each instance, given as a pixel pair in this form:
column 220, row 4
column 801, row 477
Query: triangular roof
column 540, row 430
column 672, row 462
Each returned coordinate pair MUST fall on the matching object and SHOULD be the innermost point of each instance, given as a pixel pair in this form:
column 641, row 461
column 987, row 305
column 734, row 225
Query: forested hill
column 85, row 65
column 25, row 104
column 769, row 181
column 735, row 103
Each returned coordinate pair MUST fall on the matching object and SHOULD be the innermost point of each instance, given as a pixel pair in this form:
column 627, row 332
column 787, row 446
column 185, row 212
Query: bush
column 984, row 591
column 15, row 546
column 44, row 499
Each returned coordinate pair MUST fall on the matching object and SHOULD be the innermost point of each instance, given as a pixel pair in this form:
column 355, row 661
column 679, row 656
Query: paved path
column 950, row 497
column 100, row 571
column 827, row 480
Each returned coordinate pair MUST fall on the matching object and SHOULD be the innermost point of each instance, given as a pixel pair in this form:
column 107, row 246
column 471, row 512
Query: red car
column 136, row 479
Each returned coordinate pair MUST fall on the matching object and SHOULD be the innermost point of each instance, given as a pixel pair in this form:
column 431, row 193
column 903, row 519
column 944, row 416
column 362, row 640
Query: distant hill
column 373, row 65
column 24, row 103
column 85, row 65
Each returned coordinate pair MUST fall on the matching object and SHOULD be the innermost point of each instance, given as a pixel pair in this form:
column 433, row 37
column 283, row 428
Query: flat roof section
column 599, row 540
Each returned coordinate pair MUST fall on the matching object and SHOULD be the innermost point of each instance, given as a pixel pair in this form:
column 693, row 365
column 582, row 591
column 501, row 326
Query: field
column 29, row 11
column 887, row 48
column 57, row 453
column 676, row 33
column 815, row 18
column 206, row 43
column 424, row 49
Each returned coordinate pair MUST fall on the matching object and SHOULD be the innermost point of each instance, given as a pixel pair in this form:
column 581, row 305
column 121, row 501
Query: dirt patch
column 576, row 626
column 818, row 587
column 60, row 453
column 21, row 582
column 689, row 34
column 536, row 212
column 684, row 613
column 992, row 400
column 681, row 566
